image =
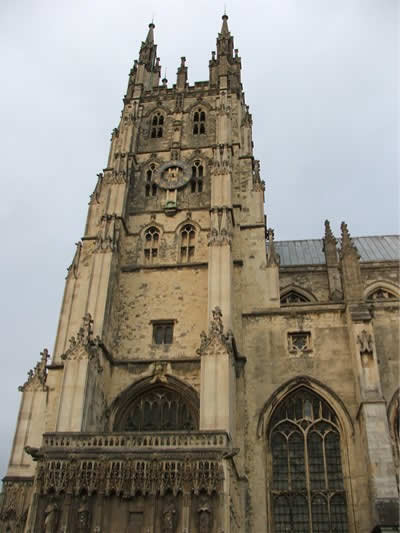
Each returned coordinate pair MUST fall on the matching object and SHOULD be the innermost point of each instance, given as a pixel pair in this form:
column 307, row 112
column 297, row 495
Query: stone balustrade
column 151, row 441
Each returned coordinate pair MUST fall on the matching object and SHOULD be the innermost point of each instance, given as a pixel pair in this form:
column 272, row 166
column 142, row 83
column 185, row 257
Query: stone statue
column 51, row 517
column 83, row 515
column 204, row 512
column 169, row 517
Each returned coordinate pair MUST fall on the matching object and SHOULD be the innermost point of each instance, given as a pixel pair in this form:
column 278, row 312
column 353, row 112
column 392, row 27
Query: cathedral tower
column 199, row 383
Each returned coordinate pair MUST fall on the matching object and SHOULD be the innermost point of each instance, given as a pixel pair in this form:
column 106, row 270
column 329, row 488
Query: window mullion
column 308, row 482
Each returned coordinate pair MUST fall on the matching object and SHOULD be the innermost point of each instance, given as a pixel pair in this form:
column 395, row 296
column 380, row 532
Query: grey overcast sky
column 321, row 78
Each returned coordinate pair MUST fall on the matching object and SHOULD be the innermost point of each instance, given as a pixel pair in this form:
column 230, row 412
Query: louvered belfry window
column 307, row 491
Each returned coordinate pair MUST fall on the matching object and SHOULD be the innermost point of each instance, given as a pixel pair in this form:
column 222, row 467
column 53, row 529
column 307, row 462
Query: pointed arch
column 381, row 290
column 152, row 393
column 157, row 108
column 297, row 294
column 304, row 429
column 326, row 393
column 198, row 103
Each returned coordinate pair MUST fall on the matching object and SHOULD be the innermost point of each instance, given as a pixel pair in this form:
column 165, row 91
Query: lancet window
column 157, row 125
column 151, row 188
column 188, row 235
column 307, row 492
column 151, row 244
column 293, row 297
column 197, row 176
column 159, row 409
column 199, row 122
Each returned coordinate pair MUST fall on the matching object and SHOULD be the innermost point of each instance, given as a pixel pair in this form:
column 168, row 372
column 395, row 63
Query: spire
column 150, row 34
column 225, row 40
column 225, row 29
column 148, row 49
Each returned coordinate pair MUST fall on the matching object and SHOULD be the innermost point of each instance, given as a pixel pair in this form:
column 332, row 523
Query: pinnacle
column 224, row 29
column 150, row 34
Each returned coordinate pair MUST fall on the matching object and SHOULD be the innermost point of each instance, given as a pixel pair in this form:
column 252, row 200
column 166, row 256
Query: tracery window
column 151, row 188
column 381, row 294
column 151, row 244
column 307, row 491
column 199, row 122
column 293, row 297
column 159, row 409
column 197, row 176
column 188, row 234
column 157, row 125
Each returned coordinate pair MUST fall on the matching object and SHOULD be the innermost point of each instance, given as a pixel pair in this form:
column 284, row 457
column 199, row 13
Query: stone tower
column 198, row 383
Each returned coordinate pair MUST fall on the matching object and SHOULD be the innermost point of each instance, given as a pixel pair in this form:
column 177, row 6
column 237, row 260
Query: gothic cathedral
column 206, row 378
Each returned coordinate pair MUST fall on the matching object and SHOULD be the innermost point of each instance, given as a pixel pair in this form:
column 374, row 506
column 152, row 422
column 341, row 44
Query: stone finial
column 37, row 377
column 347, row 245
column 329, row 237
column 272, row 255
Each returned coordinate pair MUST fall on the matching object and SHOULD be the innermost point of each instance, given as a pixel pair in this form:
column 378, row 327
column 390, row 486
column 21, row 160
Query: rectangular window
column 163, row 332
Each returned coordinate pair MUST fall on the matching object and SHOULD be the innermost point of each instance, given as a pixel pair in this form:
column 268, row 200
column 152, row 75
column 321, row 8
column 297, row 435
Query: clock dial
column 172, row 175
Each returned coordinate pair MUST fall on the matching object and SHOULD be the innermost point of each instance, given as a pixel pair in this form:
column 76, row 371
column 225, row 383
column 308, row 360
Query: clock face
column 172, row 175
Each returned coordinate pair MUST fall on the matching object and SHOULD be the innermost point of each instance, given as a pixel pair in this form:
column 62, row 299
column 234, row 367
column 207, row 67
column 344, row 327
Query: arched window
column 188, row 234
column 380, row 294
column 158, row 409
column 151, row 188
column 293, row 297
column 197, row 176
column 199, row 122
column 151, row 244
column 157, row 125
column 307, row 492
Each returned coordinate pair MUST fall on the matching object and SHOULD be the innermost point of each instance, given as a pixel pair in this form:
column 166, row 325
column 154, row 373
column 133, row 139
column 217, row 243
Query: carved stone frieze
column 216, row 341
column 107, row 238
column 37, row 377
column 128, row 475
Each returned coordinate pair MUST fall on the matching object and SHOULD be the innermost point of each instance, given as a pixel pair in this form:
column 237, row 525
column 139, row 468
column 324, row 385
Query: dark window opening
column 188, row 234
column 157, row 126
column 163, row 332
column 199, row 122
column 197, row 177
